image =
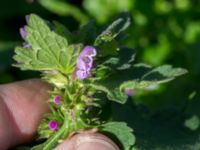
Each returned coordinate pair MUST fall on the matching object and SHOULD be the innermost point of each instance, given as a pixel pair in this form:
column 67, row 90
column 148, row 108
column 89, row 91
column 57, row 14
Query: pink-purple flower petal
column 81, row 74
column 22, row 32
column 57, row 99
column 84, row 63
column 52, row 125
column 26, row 45
column 129, row 92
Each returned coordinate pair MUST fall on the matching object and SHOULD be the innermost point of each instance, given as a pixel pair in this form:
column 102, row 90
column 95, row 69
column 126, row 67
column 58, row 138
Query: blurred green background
column 162, row 32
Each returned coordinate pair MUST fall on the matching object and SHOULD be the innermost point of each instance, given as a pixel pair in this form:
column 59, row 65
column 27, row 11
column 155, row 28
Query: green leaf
column 126, row 57
column 113, row 30
column 49, row 51
column 113, row 95
column 118, row 80
column 121, row 132
column 120, row 59
column 63, row 8
column 138, row 85
column 86, row 34
column 164, row 73
column 108, row 48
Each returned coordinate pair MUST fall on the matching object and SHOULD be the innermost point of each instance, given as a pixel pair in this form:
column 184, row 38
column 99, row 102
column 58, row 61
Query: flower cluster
column 84, row 62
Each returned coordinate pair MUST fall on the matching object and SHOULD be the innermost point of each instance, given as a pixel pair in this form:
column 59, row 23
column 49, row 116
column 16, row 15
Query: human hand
column 22, row 105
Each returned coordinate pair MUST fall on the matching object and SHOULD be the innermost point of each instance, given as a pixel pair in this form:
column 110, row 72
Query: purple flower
column 22, row 32
column 57, row 99
column 129, row 92
column 84, row 62
column 26, row 45
column 52, row 125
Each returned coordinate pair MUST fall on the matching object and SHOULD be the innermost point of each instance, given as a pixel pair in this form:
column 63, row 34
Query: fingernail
column 95, row 143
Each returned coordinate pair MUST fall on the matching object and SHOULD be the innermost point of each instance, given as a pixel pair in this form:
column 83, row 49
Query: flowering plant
column 88, row 70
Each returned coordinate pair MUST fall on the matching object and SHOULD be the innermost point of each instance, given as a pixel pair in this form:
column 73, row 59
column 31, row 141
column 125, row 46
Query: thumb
column 88, row 141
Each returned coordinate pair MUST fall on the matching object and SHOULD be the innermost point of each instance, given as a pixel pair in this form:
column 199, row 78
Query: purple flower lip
column 89, row 51
column 57, row 99
column 129, row 92
column 52, row 125
column 84, row 62
column 22, row 32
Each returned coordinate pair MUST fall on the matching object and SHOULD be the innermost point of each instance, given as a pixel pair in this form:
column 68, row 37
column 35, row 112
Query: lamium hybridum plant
column 88, row 70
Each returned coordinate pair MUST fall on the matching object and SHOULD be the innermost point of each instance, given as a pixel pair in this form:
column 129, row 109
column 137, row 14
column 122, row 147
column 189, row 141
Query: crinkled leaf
column 113, row 95
column 122, row 60
column 126, row 58
column 118, row 80
column 49, row 51
column 113, row 30
column 86, row 34
column 108, row 48
column 164, row 73
column 121, row 132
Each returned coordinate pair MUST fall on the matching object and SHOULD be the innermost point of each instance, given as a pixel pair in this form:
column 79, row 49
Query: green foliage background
column 162, row 32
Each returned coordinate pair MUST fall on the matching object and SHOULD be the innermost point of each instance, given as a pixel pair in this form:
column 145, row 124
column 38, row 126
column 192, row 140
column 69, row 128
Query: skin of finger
column 87, row 141
column 22, row 106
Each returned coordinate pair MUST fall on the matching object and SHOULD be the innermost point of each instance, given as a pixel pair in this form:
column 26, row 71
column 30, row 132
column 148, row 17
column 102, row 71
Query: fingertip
column 26, row 104
column 88, row 141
